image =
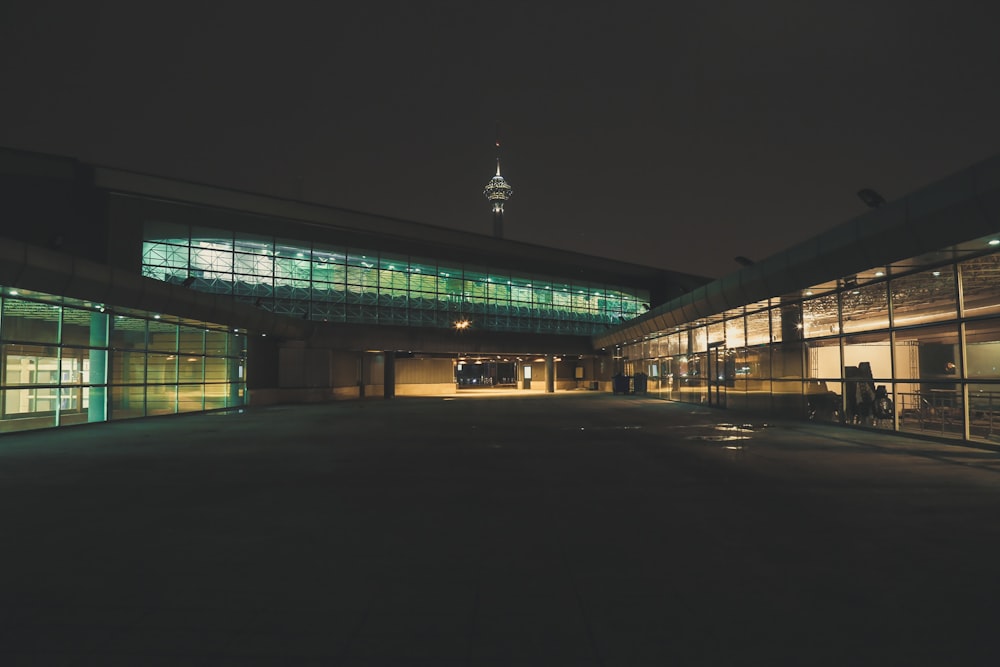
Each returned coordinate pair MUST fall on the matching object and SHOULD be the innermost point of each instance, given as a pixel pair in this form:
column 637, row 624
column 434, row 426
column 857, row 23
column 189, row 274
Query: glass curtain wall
column 65, row 362
column 911, row 347
column 340, row 284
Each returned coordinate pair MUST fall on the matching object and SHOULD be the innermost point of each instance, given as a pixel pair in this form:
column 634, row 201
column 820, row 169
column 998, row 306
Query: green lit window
column 294, row 278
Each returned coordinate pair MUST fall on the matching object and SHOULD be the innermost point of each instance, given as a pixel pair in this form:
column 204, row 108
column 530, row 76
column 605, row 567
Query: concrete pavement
column 568, row 529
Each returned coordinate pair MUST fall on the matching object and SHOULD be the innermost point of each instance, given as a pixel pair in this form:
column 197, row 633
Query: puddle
column 606, row 428
column 718, row 438
column 726, row 433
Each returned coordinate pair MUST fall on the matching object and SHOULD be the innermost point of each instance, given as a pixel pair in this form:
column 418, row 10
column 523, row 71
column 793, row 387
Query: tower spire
column 497, row 191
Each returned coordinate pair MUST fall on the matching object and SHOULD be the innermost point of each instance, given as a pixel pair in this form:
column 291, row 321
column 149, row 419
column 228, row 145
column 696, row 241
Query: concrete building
column 126, row 295
column 888, row 321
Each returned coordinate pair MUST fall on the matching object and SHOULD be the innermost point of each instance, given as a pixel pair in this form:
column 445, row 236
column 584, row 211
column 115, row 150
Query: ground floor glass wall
column 913, row 346
column 65, row 361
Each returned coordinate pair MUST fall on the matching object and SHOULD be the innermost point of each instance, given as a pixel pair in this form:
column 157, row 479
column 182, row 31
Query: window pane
column 191, row 340
column 787, row 399
column 21, row 410
column 758, row 328
column 819, row 316
column 981, row 285
column 190, row 397
column 77, row 329
column 865, row 308
column 216, row 341
column 161, row 400
column 128, row 333
column 162, row 336
column 786, row 361
column 29, row 321
column 127, row 402
column 928, row 354
column 191, row 369
column 984, row 412
column 924, row 297
column 128, row 367
column 161, row 369
column 823, row 359
column 871, row 349
column 716, row 333
column 698, row 341
column 982, row 349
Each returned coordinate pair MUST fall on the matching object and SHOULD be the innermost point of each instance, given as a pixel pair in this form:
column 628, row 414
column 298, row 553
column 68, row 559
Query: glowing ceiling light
column 879, row 274
column 994, row 242
column 935, row 273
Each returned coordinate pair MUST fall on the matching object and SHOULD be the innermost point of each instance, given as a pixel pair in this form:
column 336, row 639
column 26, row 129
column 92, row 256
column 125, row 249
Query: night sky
column 672, row 134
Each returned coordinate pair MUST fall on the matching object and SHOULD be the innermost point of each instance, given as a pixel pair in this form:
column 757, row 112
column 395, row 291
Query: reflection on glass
column 735, row 332
column 820, row 316
column 29, row 321
column 981, row 285
column 984, row 412
column 982, row 341
column 865, row 307
column 924, row 297
column 758, row 328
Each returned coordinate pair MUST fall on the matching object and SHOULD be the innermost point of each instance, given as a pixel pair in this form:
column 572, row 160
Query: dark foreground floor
column 574, row 529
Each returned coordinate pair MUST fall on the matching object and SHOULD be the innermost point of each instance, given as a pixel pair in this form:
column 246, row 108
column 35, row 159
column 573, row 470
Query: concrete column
column 389, row 372
column 550, row 374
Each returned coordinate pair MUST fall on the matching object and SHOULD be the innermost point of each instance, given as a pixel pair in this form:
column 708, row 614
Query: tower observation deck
column 497, row 192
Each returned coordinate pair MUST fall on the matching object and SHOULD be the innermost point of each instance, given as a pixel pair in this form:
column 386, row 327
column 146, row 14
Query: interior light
column 156, row 317
column 879, row 274
column 809, row 292
column 935, row 273
column 994, row 242
column 13, row 292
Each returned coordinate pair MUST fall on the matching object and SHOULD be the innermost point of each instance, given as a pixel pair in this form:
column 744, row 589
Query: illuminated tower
column 497, row 191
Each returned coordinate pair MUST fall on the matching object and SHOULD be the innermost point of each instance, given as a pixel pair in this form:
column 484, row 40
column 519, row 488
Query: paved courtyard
column 576, row 529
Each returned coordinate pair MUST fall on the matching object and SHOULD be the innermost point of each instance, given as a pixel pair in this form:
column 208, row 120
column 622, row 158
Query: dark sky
column 673, row 134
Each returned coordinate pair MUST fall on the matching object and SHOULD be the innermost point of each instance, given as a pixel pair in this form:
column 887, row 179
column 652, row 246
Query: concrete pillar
column 550, row 374
column 389, row 372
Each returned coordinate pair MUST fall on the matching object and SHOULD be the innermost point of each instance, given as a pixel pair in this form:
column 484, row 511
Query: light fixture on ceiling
column 871, row 198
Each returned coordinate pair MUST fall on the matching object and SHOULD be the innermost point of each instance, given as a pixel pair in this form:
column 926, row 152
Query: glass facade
column 65, row 361
column 340, row 284
column 913, row 347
